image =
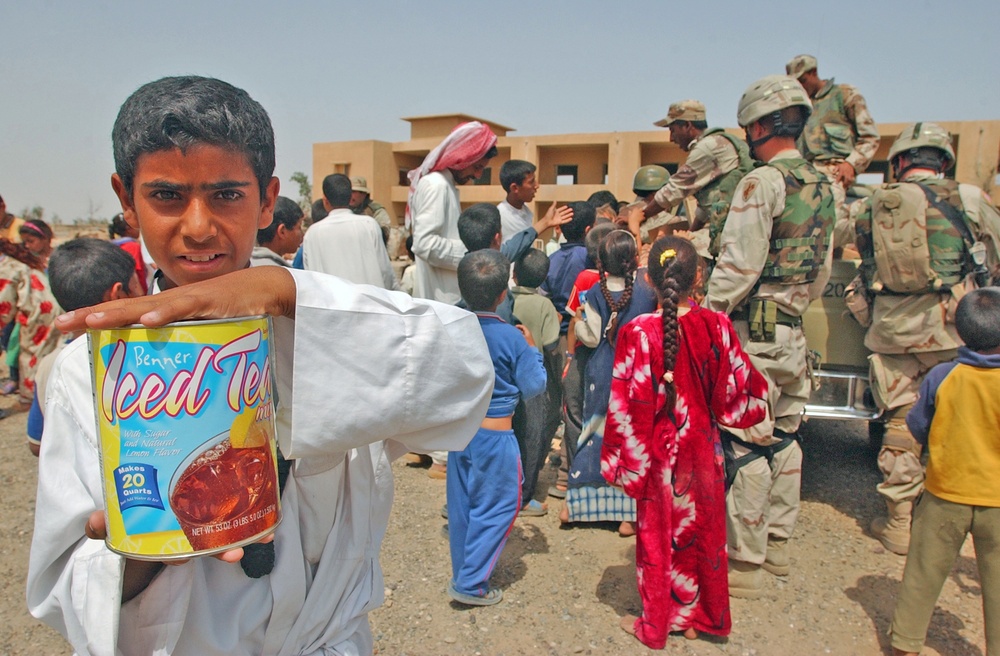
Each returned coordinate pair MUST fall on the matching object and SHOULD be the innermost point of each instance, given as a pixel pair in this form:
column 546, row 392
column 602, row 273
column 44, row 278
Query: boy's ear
column 267, row 204
column 128, row 206
column 497, row 239
column 116, row 292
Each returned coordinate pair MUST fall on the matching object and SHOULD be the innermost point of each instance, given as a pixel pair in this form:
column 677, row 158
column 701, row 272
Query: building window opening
column 566, row 174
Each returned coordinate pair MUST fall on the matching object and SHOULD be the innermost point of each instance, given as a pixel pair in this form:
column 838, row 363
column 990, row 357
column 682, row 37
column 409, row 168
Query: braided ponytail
column 617, row 256
column 672, row 267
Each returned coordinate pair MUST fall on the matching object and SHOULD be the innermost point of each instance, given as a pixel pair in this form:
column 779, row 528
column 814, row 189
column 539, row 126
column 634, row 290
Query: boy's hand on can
column 96, row 529
column 253, row 291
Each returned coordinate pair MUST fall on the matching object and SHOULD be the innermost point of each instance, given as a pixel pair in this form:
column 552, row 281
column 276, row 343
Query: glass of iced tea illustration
column 226, row 493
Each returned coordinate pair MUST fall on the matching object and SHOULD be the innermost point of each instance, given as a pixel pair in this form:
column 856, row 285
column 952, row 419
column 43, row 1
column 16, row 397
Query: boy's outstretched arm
column 253, row 291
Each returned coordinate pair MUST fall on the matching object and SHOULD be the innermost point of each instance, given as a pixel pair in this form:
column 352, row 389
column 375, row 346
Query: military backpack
column 916, row 238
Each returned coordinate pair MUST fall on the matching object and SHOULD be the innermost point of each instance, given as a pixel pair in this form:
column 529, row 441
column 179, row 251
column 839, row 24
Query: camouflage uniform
column 763, row 503
column 714, row 166
column 840, row 129
column 909, row 334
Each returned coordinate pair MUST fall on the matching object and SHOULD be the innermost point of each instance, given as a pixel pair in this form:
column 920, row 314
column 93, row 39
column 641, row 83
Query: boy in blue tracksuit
column 957, row 417
column 484, row 480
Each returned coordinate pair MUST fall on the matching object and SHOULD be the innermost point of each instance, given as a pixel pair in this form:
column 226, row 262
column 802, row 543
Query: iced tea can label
column 185, row 423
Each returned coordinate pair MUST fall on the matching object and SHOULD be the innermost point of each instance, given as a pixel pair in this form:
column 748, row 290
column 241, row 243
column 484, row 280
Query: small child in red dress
column 679, row 374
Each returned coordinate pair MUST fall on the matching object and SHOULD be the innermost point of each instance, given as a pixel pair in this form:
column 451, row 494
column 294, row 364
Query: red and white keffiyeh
column 465, row 146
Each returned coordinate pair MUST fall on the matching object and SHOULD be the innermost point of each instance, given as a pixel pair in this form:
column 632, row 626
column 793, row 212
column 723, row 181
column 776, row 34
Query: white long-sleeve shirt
column 407, row 375
column 349, row 246
column 434, row 210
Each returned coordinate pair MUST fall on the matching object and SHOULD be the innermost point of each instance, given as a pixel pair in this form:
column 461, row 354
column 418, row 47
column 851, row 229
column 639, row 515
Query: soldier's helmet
column 923, row 135
column 769, row 95
column 650, row 178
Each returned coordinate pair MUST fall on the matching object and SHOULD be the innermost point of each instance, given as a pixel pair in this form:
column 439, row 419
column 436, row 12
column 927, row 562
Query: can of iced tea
column 185, row 423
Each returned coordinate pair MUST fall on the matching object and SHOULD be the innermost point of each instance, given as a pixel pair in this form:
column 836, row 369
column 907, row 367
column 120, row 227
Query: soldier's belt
column 782, row 318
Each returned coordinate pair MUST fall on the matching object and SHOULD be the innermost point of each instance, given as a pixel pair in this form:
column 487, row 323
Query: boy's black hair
column 118, row 227
column 478, row 226
column 337, row 190
column 532, row 268
column 593, row 241
column 287, row 213
column 514, row 172
column 602, row 198
column 583, row 218
column 180, row 112
column 83, row 270
column 482, row 278
column 318, row 211
column 977, row 319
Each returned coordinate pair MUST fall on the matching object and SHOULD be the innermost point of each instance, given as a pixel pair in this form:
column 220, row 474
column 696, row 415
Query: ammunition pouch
column 763, row 316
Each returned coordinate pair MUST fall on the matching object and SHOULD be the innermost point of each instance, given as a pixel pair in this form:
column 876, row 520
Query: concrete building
column 573, row 166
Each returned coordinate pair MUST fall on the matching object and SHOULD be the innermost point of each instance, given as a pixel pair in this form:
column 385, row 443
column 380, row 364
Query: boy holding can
column 194, row 159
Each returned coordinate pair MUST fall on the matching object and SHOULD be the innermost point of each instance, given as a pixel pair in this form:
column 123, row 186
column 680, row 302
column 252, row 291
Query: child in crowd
column 36, row 235
column 618, row 296
column 27, row 301
column 479, row 227
column 677, row 375
column 126, row 238
column 283, row 237
column 517, row 178
column 538, row 425
column 957, row 417
column 194, row 159
column 407, row 280
column 484, row 479
column 576, row 359
column 567, row 262
column 82, row 272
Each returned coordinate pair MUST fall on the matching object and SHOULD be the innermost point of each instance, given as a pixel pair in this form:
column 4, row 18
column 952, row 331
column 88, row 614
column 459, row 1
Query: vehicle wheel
column 876, row 431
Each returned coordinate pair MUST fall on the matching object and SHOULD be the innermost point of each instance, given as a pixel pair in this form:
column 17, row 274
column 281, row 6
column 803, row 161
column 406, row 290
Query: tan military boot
column 777, row 561
column 745, row 580
column 894, row 531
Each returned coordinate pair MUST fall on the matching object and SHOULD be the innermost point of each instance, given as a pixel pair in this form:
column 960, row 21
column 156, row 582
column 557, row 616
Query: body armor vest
column 802, row 234
column 715, row 198
column 828, row 133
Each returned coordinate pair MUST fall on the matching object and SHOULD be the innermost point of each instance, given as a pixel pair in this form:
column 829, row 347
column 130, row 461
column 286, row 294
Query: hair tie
column 666, row 255
column 31, row 227
column 668, row 376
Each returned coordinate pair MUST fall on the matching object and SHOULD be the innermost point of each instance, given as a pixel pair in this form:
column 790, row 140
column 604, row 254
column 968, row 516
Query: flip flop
column 8, row 387
column 4, row 413
column 533, row 509
column 493, row 596
column 557, row 492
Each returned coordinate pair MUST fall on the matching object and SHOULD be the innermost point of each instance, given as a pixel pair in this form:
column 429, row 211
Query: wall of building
column 605, row 160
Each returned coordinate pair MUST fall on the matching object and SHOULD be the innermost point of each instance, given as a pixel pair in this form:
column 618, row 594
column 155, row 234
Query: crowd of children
column 605, row 336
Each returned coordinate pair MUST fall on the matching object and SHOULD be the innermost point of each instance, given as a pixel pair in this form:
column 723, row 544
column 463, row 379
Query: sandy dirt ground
column 566, row 588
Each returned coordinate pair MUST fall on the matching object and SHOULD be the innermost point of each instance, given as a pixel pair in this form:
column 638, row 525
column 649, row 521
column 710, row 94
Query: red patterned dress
column 670, row 460
column 25, row 297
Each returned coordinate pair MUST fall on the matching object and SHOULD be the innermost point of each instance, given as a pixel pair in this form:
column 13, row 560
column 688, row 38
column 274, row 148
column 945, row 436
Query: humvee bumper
column 842, row 394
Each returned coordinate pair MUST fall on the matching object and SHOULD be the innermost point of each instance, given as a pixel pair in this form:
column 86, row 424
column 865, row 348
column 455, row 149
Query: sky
column 335, row 71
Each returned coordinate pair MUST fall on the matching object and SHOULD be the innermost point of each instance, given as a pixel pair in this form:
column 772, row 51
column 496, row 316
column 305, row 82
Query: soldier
column 645, row 183
column 715, row 164
column 774, row 258
column 924, row 242
column 840, row 137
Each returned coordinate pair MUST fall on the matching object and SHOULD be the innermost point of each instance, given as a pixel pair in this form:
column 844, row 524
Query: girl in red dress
column 678, row 374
